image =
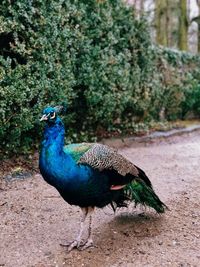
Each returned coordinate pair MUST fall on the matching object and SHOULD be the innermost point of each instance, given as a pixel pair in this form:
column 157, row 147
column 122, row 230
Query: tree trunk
column 141, row 7
column 198, row 23
column 198, row 39
column 161, row 21
column 183, row 26
column 167, row 21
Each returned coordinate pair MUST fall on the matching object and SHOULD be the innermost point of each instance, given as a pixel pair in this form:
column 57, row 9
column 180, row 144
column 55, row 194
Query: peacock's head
column 50, row 114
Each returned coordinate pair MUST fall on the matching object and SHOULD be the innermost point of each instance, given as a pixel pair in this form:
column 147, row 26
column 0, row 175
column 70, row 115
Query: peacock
column 90, row 175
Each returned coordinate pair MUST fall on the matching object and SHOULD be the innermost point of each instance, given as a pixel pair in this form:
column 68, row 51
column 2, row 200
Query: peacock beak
column 44, row 117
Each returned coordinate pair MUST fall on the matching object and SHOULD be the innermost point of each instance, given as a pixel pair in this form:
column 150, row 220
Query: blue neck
column 57, row 166
column 54, row 163
column 54, row 137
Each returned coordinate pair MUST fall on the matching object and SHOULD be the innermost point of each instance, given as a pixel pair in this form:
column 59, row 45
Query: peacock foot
column 71, row 245
column 88, row 244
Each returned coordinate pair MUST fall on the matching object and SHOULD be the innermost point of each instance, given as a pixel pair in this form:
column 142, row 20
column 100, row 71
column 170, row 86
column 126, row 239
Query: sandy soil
column 34, row 218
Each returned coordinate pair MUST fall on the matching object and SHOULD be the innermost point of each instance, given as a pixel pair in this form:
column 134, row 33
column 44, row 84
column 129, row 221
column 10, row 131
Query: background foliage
column 96, row 56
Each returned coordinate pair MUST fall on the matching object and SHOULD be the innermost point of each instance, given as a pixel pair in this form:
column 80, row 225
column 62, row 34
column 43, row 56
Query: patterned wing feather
column 102, row 157
column 77, row 150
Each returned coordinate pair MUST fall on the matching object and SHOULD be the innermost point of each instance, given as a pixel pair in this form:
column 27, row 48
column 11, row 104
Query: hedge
column 176, row 91
column 97, row 57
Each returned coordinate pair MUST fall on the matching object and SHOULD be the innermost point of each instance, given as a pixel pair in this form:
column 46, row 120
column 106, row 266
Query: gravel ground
column 34, row 218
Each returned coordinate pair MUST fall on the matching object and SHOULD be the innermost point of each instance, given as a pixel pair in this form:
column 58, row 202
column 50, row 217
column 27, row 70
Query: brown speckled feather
column 102, row 157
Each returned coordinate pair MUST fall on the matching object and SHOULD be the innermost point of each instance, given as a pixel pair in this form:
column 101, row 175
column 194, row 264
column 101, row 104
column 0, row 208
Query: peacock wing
column 102, row 157
column 77, row 150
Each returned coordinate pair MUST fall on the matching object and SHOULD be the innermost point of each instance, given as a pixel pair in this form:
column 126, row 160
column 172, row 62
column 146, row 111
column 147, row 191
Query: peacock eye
column 52, row 114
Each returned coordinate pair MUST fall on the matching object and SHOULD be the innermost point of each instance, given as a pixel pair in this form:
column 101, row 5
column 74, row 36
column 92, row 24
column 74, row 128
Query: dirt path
column 33, row 218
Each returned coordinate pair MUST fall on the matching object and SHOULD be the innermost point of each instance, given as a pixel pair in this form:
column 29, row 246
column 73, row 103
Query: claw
column 74, row 244
column 89, row 243
column 65, row 244
column 78, row 243
column 71, row 245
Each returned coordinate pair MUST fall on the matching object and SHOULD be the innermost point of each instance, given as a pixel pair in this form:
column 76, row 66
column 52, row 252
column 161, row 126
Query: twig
column 2, row 204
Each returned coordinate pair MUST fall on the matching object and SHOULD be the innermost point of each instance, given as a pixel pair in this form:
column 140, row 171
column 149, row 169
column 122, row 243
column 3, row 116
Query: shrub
column 94, row 55
column 177, row 83
column 89, row 53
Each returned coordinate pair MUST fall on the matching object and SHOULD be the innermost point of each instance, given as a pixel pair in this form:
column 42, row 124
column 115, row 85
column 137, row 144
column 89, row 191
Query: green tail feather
column 141, row 193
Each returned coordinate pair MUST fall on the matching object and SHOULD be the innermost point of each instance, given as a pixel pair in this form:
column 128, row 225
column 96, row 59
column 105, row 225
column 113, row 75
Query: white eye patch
column 53, row 116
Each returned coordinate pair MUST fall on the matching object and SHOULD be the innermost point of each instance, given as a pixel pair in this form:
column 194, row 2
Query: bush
column 191, row 105
column 89, row 53
column 177, row 83
column 94, row 55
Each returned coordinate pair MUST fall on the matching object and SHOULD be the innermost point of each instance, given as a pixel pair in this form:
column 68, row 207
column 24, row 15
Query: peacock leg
column 77, row 242
column 89, row 241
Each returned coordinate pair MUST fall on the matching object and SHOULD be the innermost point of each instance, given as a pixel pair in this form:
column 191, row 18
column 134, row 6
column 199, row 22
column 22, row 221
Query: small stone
column 126, row 233
column 174, row 242
column 47, row 253
column 107, row 253
column 137, row 231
